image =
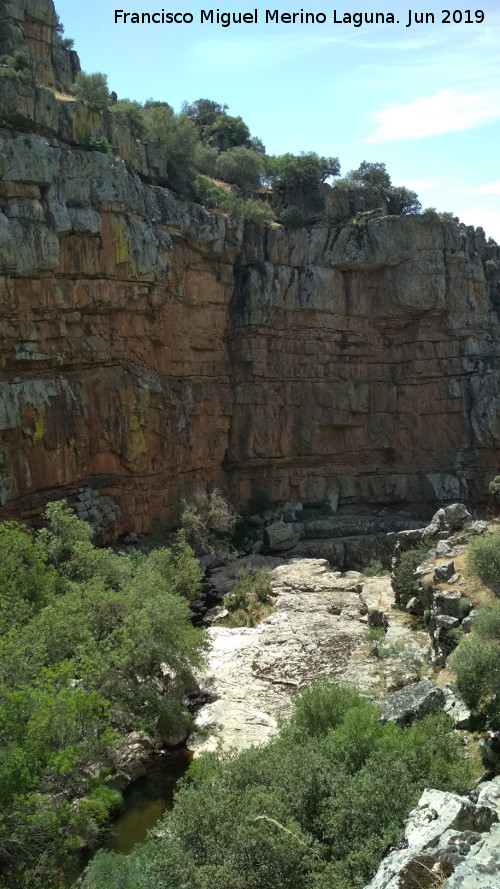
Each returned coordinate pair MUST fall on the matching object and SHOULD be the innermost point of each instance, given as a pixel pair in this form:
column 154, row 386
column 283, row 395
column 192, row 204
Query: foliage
column 256, row 211
column 372, row 175
column 375, row 569
column 84, row 630
column 205, row 157
column 97, row 143
column 300, row 171
column 315, row 808
column 240, row 166
column 404, row 581
column 401, row 200
column 203, row 112
column 375, row 636
column 207, row 520
column 27, row 582
column 483, row 559
column 17, row 66
column 64, row 42
column 212, row 195
column 487, row 621
column 178, row 137
column 292, row 217
column 131, row 115
column 476, row 663
column 93, row 89
column 227, row 132
column 250, row 600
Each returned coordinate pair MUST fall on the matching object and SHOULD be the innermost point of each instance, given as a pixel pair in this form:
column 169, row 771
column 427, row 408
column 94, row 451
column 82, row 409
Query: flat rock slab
column 318, row 627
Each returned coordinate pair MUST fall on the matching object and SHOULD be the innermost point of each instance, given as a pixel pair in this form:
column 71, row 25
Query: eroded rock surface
column 318, row 628
column 449, row 841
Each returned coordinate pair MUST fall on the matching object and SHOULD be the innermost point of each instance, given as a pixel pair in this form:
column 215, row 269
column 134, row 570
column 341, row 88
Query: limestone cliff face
column 147, row 342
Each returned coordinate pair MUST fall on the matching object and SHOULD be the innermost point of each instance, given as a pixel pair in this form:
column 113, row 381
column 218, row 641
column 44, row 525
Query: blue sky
column 424, row 99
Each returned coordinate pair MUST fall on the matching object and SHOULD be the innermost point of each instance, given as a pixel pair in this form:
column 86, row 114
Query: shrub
column 17, row 66
column 315, row 808
column 208, row 521
column 97, row 143
column 131, row 115
column 483, row 559
column 178, row 137
column 404, row 582
column 487, row 621
column 292, row 217
column 256, row 211
column 86, row 631
column 477, row 666
column 27, row 583
column 375, row 569
column 240, row 166
column 93, row 89
column 250, row 600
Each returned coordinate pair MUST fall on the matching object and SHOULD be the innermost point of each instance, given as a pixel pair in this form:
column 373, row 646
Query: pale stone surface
column 448, row 834
column 317, row 628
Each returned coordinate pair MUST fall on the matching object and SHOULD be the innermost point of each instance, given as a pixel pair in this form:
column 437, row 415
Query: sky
column 424, row 99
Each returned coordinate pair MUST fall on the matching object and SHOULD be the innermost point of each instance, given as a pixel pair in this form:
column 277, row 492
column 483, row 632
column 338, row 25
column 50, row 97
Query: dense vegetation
column 213, row 158
column 315, row 809
column 82, row 631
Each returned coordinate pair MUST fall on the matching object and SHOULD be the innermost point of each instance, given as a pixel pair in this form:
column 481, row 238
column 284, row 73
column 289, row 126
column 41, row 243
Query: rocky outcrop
column 147, row 342
column 450, row 841
column 318, row 627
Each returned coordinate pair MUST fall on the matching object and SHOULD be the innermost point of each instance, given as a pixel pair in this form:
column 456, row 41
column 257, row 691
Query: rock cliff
column 147, row 342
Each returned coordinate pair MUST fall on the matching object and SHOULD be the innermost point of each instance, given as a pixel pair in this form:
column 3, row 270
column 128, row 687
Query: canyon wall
column 148, row 344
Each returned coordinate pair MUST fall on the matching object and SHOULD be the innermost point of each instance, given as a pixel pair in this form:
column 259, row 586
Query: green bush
column 27, row 582
column 82, row 630
column 476, row 663
column 404, row 582
column 93, row 89
column 17, row 66
column 97, row 143
column 375, row 569
column 208, row 521
column 292, row 217
column 131, row 115
column 240, row 166
column 483, row 559
column 313, row 809
column 487, row 621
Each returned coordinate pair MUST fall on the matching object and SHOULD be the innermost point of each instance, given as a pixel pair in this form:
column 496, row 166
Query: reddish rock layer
column 147, row 343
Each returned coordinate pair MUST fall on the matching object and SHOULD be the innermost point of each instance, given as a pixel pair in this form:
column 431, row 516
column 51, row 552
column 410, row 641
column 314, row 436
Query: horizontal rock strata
column 147, row 342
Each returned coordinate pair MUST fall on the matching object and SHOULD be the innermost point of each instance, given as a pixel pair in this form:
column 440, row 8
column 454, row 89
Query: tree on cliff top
column 92, row 88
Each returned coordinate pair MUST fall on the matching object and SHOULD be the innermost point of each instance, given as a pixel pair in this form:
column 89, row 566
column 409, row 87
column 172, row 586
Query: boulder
column 456, row 516
column 280, row 536
column 455, row 708
column 451, row 603
column 412, row 702
column 449, row 841
column 443, row 571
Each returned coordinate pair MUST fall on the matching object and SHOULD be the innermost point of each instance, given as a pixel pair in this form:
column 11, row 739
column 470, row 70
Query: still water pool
column 145, row 801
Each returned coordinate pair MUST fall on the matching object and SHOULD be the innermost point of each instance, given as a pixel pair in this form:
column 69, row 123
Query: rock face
column 449, row 841
column 319, row 627
column 147, row 342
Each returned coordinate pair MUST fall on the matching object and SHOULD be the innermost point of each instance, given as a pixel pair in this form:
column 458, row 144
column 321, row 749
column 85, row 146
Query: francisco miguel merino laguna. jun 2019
column 275, row 16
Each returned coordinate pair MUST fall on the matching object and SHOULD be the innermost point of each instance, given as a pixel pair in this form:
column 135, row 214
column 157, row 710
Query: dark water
column 145, row 801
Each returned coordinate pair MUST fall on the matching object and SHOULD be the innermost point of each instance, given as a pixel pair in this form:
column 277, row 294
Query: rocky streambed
column 318, row 627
